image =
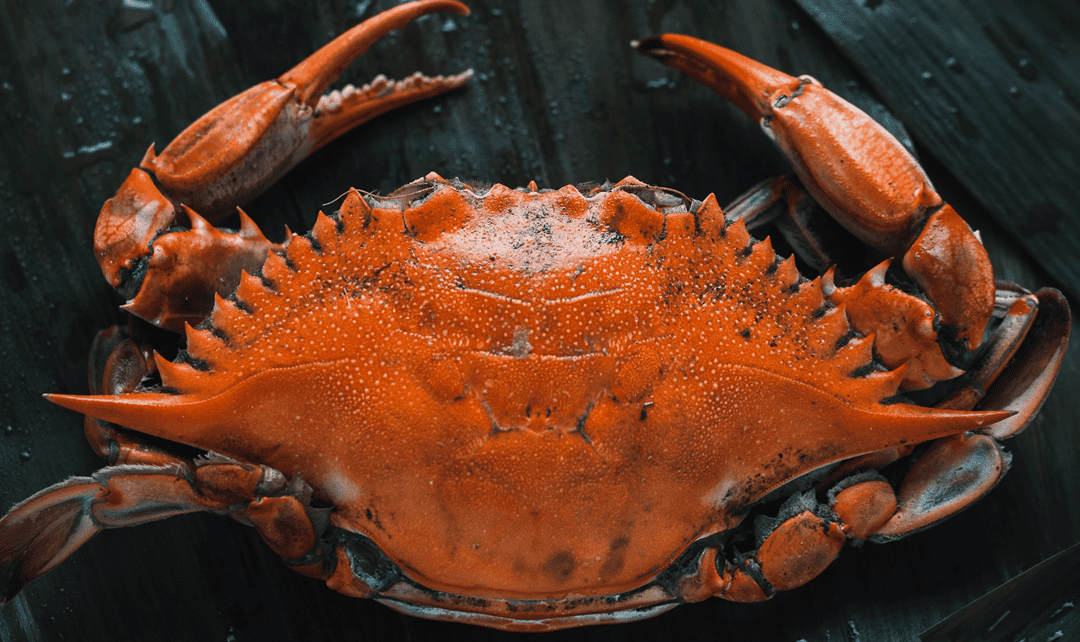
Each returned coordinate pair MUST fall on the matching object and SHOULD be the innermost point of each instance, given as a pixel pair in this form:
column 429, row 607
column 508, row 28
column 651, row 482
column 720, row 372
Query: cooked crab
column 535, row 409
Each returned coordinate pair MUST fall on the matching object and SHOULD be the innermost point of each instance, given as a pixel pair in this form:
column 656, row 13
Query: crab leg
column 1021, row 381
column 44, row 530
column 1015, row 374
column 230, row 155
column 817, row 240
column 118, row 364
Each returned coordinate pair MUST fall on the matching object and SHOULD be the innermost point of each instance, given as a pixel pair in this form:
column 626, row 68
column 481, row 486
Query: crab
column 533, row 409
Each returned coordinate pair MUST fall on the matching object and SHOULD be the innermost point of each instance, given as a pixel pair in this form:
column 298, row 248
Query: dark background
column 559, row 97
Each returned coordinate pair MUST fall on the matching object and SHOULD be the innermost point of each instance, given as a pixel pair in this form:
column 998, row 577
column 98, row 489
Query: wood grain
column 1038, row 604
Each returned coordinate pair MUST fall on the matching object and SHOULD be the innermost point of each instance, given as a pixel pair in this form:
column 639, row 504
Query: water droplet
column 361, row 8
column 95, row 148
column 1028, row 70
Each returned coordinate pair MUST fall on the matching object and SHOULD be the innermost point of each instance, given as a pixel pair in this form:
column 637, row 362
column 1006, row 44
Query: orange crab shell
column 531, row 395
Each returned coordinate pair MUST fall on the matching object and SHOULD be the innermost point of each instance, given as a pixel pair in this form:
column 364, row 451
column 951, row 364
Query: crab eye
column 781, row 101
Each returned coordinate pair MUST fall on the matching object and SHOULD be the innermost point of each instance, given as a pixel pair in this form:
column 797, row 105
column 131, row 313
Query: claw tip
column 651, row 46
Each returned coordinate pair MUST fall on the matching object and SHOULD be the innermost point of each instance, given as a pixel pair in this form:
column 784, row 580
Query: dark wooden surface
column 559, row 97
column 1038, row 604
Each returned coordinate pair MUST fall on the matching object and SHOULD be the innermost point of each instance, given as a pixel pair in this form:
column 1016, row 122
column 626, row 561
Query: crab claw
column 853, row 167
column 856, row 170
column 239, row 148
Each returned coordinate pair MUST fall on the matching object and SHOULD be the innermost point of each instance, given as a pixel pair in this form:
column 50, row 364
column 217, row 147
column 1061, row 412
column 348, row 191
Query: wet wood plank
column 1038, row 604
column 993, row 90
column 558, row 97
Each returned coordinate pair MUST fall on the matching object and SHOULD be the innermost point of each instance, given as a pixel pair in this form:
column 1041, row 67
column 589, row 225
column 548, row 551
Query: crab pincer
column 857, row 171
column 864, row 178
column 229, row 156
column 868, row 182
